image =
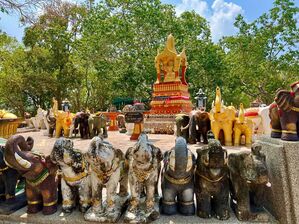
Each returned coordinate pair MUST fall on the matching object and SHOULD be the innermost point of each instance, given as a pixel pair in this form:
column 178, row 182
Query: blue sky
column 219, row 13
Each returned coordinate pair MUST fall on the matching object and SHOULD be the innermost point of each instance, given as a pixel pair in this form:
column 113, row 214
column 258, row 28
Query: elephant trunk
column 14, row 153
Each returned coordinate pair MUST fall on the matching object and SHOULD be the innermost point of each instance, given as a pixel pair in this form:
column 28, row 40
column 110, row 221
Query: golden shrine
column 170, row 91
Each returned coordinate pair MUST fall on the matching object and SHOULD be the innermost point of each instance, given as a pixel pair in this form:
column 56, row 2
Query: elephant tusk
column 23, row 162
column 268, row 184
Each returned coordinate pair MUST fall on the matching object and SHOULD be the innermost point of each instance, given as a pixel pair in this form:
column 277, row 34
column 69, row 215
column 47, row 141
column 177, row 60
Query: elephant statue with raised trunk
column 8, row 177
column 242, row 126
column 177, row 180
column 222, row 119
column 39, row 172
column 182, row 125
column 75, row 181
column 284, row 114
column 144, row 168
column 107, row 170
column 200, row 124
column 211, row 181
column 63, row 121
column 249, row 180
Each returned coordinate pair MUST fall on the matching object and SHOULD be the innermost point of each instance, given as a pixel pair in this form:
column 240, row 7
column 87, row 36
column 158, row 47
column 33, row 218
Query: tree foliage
column 94, row 53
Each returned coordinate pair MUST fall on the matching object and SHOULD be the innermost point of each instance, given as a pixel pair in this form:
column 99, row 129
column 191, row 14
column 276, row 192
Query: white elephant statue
column 260, row 118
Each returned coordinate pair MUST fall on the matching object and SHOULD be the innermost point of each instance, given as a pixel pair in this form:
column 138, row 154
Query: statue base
column 10, row 206
column 121, row 204
column 142, row 216
column 282, row 199
column 170, row 98
column 138, row 128
column 159, row 123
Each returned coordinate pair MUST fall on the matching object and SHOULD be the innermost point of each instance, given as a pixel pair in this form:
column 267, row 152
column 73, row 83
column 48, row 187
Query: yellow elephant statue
column 63, row 120
column 222, row 118
column 243, row 126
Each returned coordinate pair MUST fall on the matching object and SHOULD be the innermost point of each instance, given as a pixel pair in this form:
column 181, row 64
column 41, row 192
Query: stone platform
column 282, row 159
column 122, row 141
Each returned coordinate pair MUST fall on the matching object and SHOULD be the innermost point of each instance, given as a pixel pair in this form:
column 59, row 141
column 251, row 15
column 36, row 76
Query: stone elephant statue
column 144, row 161
column 107, row 170
column 177, row 180
column 39, row 172
column 249, row 180
column 200, row 124
column 75, row 181
column 182, row 125
column 81, row 120
column 8, row 177
column 96, row 124
column 284, row 114
column 211, row 181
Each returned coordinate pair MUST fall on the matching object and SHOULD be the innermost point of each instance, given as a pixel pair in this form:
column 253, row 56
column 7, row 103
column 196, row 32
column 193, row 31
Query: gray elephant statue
column 75, row 181
column 51, row 121
column 107, row 170
column 200, row 124
column 178, row 180
column 144, row 161
column 212, row 181
column 182, row 125
column 249, row 180
column 96, row 123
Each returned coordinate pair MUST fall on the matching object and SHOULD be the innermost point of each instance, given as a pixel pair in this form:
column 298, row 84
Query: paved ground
column 164, row 142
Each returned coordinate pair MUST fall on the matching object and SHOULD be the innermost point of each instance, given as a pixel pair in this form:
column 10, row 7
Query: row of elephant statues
column 280, row 120
column 227, row 127
column 214, row 177
column 64, row 123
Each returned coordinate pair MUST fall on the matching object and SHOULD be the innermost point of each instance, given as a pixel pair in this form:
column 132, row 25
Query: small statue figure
column 211, row 181
column 51, row 121
column 249, row 179
column 66, row 106
column 144, row 167
column 75, row 181
column 177, row 180
column 39, row 171
column 107, row 168
column 284, row 114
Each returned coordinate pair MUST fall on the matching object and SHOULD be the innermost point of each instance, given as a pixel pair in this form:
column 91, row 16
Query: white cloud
column 221, row 15
column 198, row 6
column 223, row 18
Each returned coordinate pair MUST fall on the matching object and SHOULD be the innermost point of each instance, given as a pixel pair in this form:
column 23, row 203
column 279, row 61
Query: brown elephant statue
column 39, row 172
column 200, row 124
column 284, row 114
column 249, row 180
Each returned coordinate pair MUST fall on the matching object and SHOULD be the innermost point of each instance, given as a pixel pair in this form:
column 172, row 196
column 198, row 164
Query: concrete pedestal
column 283, row 164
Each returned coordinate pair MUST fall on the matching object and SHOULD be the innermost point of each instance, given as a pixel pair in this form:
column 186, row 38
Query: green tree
column 263, row 56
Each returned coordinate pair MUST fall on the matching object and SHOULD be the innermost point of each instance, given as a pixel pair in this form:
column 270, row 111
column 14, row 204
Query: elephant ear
column 284, row 100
